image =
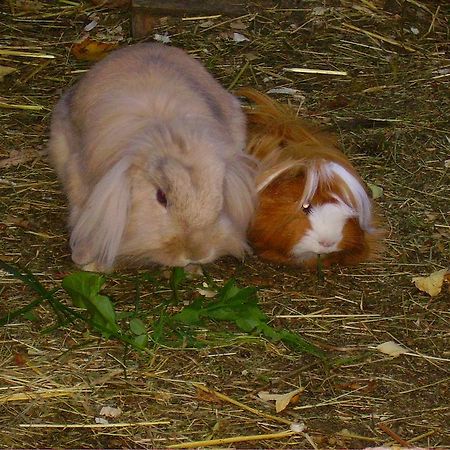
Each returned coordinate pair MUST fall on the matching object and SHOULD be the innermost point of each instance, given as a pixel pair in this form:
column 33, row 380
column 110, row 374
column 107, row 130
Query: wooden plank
column 145, row 13
column 192, row 7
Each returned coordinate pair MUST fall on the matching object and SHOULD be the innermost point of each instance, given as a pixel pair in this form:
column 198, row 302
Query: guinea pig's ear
column 98, row 231
column 352, row 191
column 345, row 186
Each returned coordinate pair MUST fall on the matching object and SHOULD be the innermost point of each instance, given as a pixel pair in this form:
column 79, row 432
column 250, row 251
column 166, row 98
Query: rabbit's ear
column 239, row 194
column 98, row 231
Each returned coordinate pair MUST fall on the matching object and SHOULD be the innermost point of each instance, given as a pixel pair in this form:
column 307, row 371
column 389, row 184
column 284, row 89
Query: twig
column 93, row 425
column 433, row 20
column 421, row 436
column 323, row 316
column 230, row 440
column 241, row 405
column 40, row 67
column 226, row 21
column 378, row 36
column 25, row 54
column 236, row 79
column 317, row 71
column 382, row 426
column 25, row 107
column 201, row 17
column 419, row 5
column 348, row 434
column 48, row 393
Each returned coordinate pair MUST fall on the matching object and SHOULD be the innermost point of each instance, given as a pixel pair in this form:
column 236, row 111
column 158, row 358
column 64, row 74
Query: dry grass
column 391, row 111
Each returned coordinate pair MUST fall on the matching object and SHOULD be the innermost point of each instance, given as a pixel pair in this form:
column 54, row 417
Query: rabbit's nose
column 201, row 256
column 199, row 253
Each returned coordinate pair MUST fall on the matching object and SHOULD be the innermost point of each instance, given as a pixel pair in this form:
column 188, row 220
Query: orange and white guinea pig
column 312, row 203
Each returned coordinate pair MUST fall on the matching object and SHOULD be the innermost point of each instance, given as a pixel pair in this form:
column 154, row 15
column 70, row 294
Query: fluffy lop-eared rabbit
column 312, row 202
column 149, row 148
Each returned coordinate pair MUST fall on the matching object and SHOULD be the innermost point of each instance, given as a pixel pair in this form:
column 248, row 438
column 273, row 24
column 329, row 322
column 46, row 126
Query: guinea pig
column 150, row 150
column 312, row 203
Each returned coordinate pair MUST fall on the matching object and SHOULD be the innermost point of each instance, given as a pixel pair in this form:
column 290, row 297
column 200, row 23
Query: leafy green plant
column 240, row 306
column 231, row 304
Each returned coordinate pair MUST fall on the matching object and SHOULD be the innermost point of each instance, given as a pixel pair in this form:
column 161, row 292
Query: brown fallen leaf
column 20, row 359
column 29, row 6
column 91, row 50
column 364, row 386
column 282, row 400
column 19, row 222
column 431, row 284
column 18, row 157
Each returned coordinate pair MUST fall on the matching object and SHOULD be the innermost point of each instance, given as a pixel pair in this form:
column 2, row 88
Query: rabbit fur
column 149, row 148
column 312, row 202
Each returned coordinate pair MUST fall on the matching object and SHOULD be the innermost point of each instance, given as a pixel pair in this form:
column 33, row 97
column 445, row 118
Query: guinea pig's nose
column 327, row 243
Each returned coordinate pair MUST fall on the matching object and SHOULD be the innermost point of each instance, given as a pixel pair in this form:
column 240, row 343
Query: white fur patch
column 363, row 205
column 327, row 223
column 359, row 200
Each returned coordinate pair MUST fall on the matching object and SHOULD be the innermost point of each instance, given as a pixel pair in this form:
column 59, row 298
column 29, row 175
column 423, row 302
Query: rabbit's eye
column 161, row 197
column 306, row 208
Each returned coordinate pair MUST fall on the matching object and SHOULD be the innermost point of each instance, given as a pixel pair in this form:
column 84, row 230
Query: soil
column 391, row 115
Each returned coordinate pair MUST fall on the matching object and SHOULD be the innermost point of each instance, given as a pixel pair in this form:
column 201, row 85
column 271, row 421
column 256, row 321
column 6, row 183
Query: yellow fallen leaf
column 432, row 284
column 90, row 50
column 5, row 70
column 281, row 400
column 391, row 348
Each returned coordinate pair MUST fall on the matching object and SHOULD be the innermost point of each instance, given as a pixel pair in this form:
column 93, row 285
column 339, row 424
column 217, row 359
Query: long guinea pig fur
column 312, row 203
column 150, row 150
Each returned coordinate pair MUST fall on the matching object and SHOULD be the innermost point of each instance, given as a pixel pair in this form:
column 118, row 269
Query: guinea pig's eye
column 161, row 197
column 306, row 208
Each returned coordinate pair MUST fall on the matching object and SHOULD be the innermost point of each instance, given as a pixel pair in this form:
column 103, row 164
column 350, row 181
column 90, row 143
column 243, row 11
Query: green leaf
column 150, row 278
column 137, row 327
column 82, row 286
column 229, row 290
column 121, row 315
column 248, row 324
column 104, row 313
column 159, row 326
column 191, row 315
column 298, row 343
column 31, row 316
column 177, row 277
column 140, row 342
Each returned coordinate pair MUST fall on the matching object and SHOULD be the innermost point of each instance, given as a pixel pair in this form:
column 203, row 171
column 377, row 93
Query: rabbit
column 150, row 150
column 313, row 207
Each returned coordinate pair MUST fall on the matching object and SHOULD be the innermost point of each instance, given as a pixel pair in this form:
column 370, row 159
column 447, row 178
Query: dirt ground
column 391, row 113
